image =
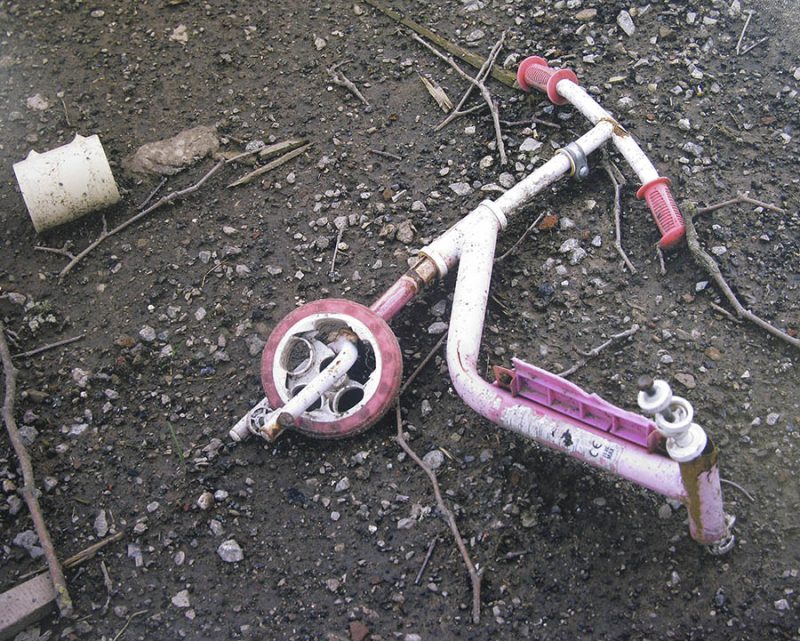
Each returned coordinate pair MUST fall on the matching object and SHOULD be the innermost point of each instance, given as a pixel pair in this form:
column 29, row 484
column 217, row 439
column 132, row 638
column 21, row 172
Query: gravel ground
column 305, row 539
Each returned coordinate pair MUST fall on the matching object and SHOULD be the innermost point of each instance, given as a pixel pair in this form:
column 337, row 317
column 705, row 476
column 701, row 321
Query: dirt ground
column 176, row 308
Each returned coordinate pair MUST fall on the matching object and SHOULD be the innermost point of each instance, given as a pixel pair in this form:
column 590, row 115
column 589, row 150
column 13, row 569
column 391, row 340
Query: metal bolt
column 645, row 384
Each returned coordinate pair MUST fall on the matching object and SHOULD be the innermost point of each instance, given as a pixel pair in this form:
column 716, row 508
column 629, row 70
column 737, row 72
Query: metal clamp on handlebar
column 579, row 165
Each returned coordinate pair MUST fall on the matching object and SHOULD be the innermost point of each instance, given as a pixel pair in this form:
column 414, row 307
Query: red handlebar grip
column 535, row 73
column 665, row 212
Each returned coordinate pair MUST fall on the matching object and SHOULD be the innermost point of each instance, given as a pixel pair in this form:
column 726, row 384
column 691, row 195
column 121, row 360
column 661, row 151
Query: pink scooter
column 333, row 367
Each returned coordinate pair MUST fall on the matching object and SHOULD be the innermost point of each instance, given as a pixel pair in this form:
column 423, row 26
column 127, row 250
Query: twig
column 479, row 77
column 426, row 560
column 83, row 555
column 528, row 122
column 174, row 195
column 338, row 78
column 741, row 35
column 385, row 154
column 335, row 252
column 661, row 265
column 498, row 73
column 437, row 93
column 480, row 86
column 44, row 348
column 214, row 268
column 270, row 166
column 740, row 198
column 596, row 350
column 705, row 260
column 66, row 113
column 474, row 575
column 738, row 487
column 724, row 312
column 525, row 234
column 28, row 490
column 152, row 194
column 422, row 365
column 127, row 623
column 755, row 44
column 617, row 216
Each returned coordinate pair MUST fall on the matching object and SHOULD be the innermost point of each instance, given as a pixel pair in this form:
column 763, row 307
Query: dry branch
column 474, row 575
column 710, row 265
column 172, row 196
column 270, row 166
column 480, row 86
column 28, row 490
column 49, row 346
column 596, row 350
column 520, row 240
column 618, row 215
column 437, row 93
column 740, row 198
column 338, row 78
column 508, row 78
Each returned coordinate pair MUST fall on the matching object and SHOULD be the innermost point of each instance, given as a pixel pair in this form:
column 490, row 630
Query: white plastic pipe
column 67, row 182
column 275, row 421
column 624, row 142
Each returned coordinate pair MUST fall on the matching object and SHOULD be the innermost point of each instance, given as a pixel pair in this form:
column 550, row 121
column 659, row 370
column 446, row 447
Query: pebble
column 569, row 245
column 200, row 313
column 358, row 631
column 461, row 189
column 665, row 512
column 506, row 180
column 181, row 600
column 434, row 459
column 147, row 334
column 343, row 485
column 475, row 35
column 425, row 408
column 205, row 501
column 335, row 516
column 686, row 379
column 37, row 102
column 439, row 327
column 772, row 418
column 101, row 524
column 216, row 527
column 28, row 434
column 625, row 23
column 255, row 344
column 230, row 552
column 781, row 604
column 585, row 15
column 406, row 523
column 27, row 540
column 531, row 145
column 80, row 377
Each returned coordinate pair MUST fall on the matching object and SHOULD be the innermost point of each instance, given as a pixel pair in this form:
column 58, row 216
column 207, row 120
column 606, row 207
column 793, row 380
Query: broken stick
column 705, row 260
column 596, row 350
column 480, row 86
column 338, row 78
column 474, row 574
column 498, row 73
column 618, row 214
column 28, row 490
column 270, row 166
column 174, row 195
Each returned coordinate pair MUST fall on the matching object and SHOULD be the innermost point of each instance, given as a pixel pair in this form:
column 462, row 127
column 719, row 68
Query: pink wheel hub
column 297, row 350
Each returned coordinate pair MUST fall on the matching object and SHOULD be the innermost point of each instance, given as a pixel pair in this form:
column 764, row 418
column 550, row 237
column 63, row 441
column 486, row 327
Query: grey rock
column 531, row 145
column 343, row 485
column 181, row 600
column 254, row 344
column 625, row 23
column 434, row 459
column 439, row 327
column 28, row 434
column 147, row 334
column 230, row 551
column 461, row 189
column 101, row 524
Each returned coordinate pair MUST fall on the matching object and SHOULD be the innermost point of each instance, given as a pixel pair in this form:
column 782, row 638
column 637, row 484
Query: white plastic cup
column 67, row 182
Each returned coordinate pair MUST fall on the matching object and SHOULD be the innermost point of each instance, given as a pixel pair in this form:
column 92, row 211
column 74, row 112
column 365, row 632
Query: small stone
column 665, row 512
column 772, row 418
column 319, row 43
column 97, row 13
column 406, row 523
column 37, row 102
column 585, row 15
column 781, row 604
column 255, row 344
column 684, row 124
column 625, row 23
column 147, row 334
column 686, row 379
column 200, row 313
column 434, row 459
column 358, row 631
column 101, row 524
column 28, row 434
column 405, row 232
column 140, row 527
column 475, row 35
column 179, row 558
column 569, row 245
column 332, row 584
column 713, row 353
column 205, row 501
column 152, row 506
column 506, row 180
column 216, row 527
column 181, row 600
column 531, row 145
column 343, row 485
column 204, row 256
column 439, row 327
column 180, row 34
column 335, row 516
column 461, row 189
column 425, row 408
column 80, row 377
column 230, row 552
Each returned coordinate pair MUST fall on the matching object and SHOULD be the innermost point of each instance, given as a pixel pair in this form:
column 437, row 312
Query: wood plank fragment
column 25, row 604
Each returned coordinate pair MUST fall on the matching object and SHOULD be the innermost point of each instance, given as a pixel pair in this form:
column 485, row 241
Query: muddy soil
column 176, row 308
